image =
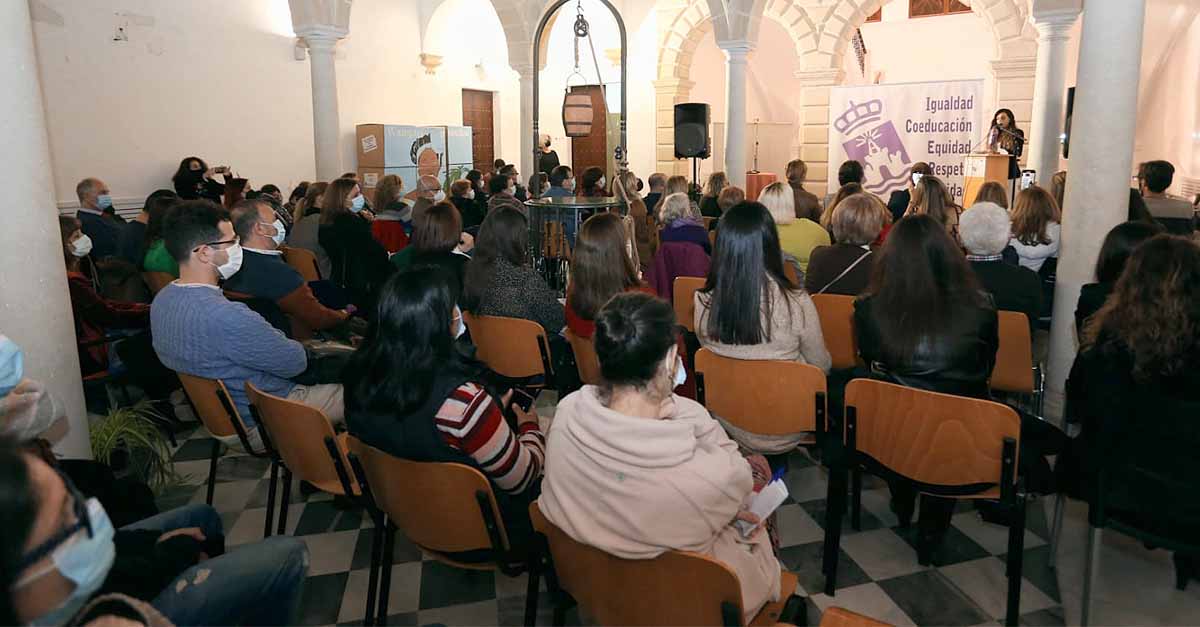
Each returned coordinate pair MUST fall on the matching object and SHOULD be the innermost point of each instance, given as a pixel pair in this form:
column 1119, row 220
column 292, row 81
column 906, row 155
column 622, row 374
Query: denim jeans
column 256, row 584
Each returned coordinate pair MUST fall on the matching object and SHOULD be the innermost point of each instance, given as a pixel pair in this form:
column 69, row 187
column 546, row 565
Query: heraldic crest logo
column 876, row 145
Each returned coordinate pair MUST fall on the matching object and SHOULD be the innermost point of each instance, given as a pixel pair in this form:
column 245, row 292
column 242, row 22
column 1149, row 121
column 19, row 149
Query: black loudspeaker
column 1066, row 138
column 691, row 131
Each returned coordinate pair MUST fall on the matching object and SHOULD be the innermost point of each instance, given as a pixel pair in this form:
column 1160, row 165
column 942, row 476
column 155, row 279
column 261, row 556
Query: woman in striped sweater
column 410, row 393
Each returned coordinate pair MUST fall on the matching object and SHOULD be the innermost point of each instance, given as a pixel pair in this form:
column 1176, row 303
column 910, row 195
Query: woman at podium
column 1005, row 135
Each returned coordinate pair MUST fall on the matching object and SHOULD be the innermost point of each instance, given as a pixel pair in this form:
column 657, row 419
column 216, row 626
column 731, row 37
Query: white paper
column 764, row 504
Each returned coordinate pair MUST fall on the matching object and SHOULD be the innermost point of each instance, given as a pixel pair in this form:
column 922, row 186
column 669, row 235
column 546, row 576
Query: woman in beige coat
column 636, row 471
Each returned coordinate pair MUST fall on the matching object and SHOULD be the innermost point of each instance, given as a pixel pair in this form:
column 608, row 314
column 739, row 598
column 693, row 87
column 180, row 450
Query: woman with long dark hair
column 500, row 281
column 593, row 183
column 717, row 181
column 410, row 393
column 307, row 225
column 359, row 262
column 1005, row 135
column 1114, row 253
column 600, row 269
column 749, row 309
column 437, row 241
column 194, row 180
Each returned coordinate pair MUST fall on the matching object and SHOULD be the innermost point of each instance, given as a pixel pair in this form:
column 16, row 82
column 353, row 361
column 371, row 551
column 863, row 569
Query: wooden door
column 477, row 114
column 591, row 150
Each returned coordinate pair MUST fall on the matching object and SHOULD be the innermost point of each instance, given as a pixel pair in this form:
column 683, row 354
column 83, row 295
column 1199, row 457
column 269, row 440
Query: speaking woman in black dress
column 1006, row 135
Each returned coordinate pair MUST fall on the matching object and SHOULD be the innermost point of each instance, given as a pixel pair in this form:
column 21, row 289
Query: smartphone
column 916, row 177
column 523, row 399
column 1028, row 178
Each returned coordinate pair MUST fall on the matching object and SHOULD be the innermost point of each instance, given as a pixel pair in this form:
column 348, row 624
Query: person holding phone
column 899, row 200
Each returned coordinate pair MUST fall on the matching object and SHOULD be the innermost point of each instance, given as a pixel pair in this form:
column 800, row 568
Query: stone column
column 1049, row 91
column 327, row 126
column 814, row 125
column 1097, row 195
column 736, row 53
column 527, row 76
column 35, row 307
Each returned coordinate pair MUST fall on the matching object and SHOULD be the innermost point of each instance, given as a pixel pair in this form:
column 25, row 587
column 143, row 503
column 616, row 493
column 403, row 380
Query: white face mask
column 569, row 184
column 280, row 231
column 470, row 194
column 680, row 372
column 233, row 263
column 82, row 246
column 459, row 328
column 916, row 177
column 439, row 196
column 601, row 183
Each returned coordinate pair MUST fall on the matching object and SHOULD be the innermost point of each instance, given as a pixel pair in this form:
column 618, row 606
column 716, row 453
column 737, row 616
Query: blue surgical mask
column 280, row 231
column 84, row 560
column 103, row 201
column 358, row 203
column 12, row 365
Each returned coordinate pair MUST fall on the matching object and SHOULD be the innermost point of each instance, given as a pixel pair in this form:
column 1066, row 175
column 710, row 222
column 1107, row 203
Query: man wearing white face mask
column 264, row 274
column 94, row 203
column 198, row 331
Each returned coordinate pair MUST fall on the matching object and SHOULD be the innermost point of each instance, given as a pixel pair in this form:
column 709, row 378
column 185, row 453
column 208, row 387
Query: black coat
column 1013, row 288
column 1091, row 298
column 827, row 262
column 898, row 203
column 360, row 262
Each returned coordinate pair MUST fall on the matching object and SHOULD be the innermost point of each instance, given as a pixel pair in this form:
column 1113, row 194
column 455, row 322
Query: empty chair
column 585, row 358
column 684, row 300
column 514, row 348
column 303, row 261
column 220, row 417
column 837, row 327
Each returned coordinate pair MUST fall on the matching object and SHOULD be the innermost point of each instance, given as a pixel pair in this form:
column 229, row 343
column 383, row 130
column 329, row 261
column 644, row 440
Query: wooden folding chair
column 442, row 508
column 515, row 348
column 683, row 298
column 216, row 411
column 1015, row 371
column 304, row 262
column 840, row 617
column 836, row 312
column 585, row 358
column 157, row 280
column 303, row 440
column 675, row 588
column 789, row 270
column 949, row 446
column 763, row 397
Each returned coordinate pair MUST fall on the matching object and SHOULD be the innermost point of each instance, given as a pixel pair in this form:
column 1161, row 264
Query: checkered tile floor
column 878, row 574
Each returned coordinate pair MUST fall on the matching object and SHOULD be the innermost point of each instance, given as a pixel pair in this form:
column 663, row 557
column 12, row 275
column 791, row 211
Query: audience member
column 645, row 227
column 1058, row 188
column 593, row 184
column 930, row 197
column 539, row 184
column 898, row 202
column 730, row 196
column 500, row 280
column 94, row 200
column 845, row 266
column 1120, row 242
column 681, row 223
column 1138, row 211
column 808, row 206
column 985, row 230
column 623, row 453
column 925, row 323
column 519, row 192
column 394, row 221
column 462, row 196
column 850, row 171
column 438, row 240
column 63, row 552
column 501, row 194
column 298, row 193
column 480, row 188
column 1177, row 214
column 797, row 236
column 562, row 183
column 843, row 192
column 133, row 240
column 235, row 192
column 428, row 191
column 411, row 394
column 1035, row 226
column 994, row 193
column 306, row 233
column 676, row 184
column 497, row 165
column 658, row 184
column 684, row 246
column 197, row 331
column 600, row 268
column 717, row 181
column 194, row 179
column 359, row 262
column 156, row 258
column 548, row 160
column 272, row 190
column 264, row 274
column 749, row 309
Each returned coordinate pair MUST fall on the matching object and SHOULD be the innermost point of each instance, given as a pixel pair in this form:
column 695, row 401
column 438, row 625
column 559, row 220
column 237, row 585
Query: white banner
column 887, row 128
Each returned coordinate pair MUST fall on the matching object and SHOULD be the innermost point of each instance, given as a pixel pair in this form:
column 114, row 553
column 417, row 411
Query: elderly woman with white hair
column 681, row 222
column 985, row 230
column 797, row 236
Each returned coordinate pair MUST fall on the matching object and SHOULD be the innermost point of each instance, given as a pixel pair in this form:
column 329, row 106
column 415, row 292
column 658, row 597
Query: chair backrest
column 204, row 394
column 683, row 297
column 304, row 261
column 436, row 505
column 712, row 237
column 789, row 270
column 297, row 433
column 585, row 358
column 675, row 588
column 157, row 280
column 708, row 222
column 837, row 326
column 839, row 617
column 763, row 397
column 933, row 438
column 513, row 347
column 1014, row 356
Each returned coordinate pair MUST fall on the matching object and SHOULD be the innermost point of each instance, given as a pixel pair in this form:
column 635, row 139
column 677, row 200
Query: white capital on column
column 1049, row 90
column 528, row 116
column 1097, row 196
column 322, row 44
column 35, row 308
column 736, row 53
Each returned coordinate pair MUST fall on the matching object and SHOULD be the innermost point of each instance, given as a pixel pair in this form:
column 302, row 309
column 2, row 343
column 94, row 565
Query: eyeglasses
column 81, row 521
column 227, row 242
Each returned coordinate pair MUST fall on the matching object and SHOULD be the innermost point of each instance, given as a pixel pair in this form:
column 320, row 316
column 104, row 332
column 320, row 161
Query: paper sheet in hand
column 764, row 504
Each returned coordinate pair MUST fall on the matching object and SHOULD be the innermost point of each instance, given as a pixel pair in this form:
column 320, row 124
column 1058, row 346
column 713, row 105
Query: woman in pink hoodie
column 636, row 471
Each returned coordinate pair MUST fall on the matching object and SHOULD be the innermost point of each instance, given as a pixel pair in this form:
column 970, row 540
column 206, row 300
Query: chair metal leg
column 212, row 471
column 373, row 576
column 531, row 588
column 385, row 577
column 1093, row 556
column 1016, row 555
column 285, row 501
column 833, row 527
column 271, row 499
column 856, row 509
column 1056, row 522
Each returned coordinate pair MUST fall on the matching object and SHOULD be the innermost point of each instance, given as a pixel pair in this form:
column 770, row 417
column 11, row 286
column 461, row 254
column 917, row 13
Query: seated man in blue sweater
column 264, row 274
column 198, row 331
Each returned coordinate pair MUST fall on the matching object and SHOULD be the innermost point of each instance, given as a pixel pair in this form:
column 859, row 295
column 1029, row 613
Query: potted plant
column 128, row 441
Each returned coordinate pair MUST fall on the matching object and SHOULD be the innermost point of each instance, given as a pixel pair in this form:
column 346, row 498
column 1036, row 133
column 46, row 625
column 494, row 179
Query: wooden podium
column 982, row 168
